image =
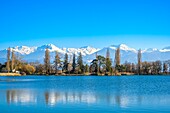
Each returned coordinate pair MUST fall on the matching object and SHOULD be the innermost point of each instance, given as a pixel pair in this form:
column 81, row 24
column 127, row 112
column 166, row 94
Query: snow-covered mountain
column 32, row 54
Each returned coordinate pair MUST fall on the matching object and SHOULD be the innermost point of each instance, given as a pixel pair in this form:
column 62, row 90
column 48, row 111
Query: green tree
column 101, row 63
column 108, row 62
column 65, row 66
column 133, row 68
column 86, row 68
column 98, row 65
column 74, row 63
column 80, row 63
column 94, row 67
column 139, row 61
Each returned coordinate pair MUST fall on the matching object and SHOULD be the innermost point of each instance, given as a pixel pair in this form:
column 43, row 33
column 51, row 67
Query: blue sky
column 76, row 23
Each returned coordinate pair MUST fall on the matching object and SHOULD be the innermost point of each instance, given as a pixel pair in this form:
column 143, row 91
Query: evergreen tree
column 101, row 63
column 96, row 62
column 108, row 62
column 87, row 68
column 47, row 61
column 108, row 65
column 139, row 61
column 94, row 67
column 107, row 53
column 8, row 60
column 65, row 67
column 80, row 63
column 57, row 62
column 74, row 63
column 133, row 68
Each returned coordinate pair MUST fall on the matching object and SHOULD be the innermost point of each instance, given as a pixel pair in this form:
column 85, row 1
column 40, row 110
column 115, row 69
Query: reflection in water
column 53, row 97
column 20, row 96
column 85, row 94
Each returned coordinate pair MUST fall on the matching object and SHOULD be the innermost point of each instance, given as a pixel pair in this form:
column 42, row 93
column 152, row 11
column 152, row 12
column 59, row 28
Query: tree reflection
column 54, row 97
column 20, row 97
column 51, row 98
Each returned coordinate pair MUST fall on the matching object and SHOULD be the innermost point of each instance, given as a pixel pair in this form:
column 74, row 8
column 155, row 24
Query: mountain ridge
column 32, row 54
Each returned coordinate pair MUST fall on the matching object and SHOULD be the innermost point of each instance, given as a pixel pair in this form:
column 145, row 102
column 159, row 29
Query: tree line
column 15, row 64
column 75, row 66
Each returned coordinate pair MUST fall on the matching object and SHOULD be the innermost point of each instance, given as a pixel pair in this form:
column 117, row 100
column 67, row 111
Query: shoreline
column 10, row 74
column 74, row 75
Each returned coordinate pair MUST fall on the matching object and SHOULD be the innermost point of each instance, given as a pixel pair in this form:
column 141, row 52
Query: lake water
column 84, row 94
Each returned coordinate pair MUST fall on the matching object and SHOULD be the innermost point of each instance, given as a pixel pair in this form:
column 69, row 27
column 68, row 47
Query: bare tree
column 8, row 60
column 117, row 56
column 57, row 62
column 47, row 61
column 13, row 61
column 165, row 68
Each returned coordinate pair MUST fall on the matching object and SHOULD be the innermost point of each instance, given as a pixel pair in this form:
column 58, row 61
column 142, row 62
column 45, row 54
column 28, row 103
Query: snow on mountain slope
column 150, row 50
column 166, row 49
column 123, row 47
column 32, row 54
column 127, row 53
column 51, row 47
column 24, row 49
column 84, row 50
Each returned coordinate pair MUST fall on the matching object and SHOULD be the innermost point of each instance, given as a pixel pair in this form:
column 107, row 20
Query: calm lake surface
column 84, row 94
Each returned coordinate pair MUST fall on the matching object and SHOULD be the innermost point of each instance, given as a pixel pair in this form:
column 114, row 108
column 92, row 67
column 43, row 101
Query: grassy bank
column 10, row 74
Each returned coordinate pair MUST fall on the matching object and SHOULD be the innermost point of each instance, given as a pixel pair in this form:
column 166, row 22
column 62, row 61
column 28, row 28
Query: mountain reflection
column 53, row 97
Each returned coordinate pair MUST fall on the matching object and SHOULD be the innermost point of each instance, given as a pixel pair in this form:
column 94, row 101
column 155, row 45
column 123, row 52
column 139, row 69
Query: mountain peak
column 86, row 47
column 88, row 52
column 24, row 49
column 167, row 48
column 51, row 48
column 123, row 47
